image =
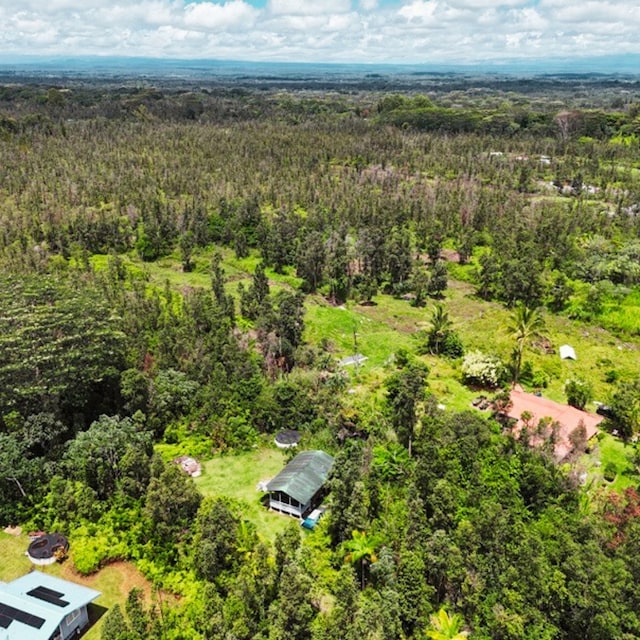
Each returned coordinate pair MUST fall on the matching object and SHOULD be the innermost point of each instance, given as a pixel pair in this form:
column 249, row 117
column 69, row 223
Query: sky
column 361, row 31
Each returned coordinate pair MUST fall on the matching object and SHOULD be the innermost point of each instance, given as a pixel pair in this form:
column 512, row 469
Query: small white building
column 567, row 352
column 38, row 606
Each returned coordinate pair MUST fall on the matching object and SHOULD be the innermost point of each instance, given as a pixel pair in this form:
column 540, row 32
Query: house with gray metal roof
column 298, row 488
column 38, row 606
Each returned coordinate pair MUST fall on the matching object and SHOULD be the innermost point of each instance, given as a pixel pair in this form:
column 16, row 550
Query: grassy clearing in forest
column 392, row 323
column 237, row 476
column 379, row 330
column 611, row 462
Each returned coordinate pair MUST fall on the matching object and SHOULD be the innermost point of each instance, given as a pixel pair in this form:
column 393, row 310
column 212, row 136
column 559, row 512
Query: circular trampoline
column 48, row 548
column 287, row 438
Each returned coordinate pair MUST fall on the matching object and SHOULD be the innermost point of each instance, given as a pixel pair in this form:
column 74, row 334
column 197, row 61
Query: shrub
column 90, row 552
column 482, row 369
column 579, row 392
column 611, row 376
column 540, row 379
column 453, row 347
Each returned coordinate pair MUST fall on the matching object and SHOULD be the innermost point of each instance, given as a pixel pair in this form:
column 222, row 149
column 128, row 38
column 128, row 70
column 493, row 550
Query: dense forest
column 267, row 202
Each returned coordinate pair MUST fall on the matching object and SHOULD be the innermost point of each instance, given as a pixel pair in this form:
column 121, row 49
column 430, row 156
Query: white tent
column 567, row 352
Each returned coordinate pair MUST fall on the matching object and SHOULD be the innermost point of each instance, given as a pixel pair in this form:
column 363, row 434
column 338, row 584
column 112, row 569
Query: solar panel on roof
column 48, row 595
column 9, row 614
column 51, row 592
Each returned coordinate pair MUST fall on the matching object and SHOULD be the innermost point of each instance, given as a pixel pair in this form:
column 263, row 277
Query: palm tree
column 525, row 324
column 446, row 627
column 361, row 550
column 440, row 328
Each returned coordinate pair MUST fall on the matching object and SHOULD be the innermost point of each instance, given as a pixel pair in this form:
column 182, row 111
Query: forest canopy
column 184, row 268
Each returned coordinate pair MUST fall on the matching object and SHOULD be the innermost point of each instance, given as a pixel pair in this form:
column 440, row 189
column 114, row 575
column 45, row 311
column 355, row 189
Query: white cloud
column 368, row 5
column 316, row 30
column 210, row 15
column 419, row 10
column 306, row 8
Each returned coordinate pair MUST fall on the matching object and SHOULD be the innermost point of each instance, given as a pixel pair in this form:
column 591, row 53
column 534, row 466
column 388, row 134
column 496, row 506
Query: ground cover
column 392, row 323
column 378, row 330
column 352, row 328
column 611, row 462
column 625, row 316
column 237, row 476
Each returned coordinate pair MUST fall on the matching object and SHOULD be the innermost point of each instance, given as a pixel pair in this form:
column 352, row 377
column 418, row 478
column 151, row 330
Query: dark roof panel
column 8, row 614
column 48, row 595
column 303, row 476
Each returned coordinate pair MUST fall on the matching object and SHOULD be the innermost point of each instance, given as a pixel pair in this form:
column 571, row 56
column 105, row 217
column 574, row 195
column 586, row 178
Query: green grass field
column 393, row 323
column 378, row 331
column 615, row 459
column 237, row 476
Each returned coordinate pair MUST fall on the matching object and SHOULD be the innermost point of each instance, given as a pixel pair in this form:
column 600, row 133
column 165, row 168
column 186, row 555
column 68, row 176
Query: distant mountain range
column 41, row 66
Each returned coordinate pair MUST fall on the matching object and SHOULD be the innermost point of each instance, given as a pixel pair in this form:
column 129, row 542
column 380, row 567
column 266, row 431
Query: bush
column 540, row 379
column 610, row 472
column 482, row 370
column 579, row 392
column 611, row 376
column 453, row 347
column 90, row 552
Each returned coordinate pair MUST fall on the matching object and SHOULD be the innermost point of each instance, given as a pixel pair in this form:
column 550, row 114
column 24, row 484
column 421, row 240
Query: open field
column 393, row 323
column 377, row 331
column 237, row 476
column 611, row 463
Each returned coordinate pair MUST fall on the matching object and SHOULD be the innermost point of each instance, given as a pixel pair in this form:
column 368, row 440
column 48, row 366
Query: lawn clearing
column 616, row 459
column 237, row 476
column 374, row 338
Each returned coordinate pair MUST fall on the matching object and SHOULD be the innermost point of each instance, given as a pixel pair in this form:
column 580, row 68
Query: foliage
column 119, row 300
column 405, row 391
column 441, row 338
column 360, row 551
column 579, row 392
column 171, row 504
column 222, row 538
column 525, row 324
column 482, row 369
column 446, row 627
column 61, row 346
column 101, row 456
column 624, row 408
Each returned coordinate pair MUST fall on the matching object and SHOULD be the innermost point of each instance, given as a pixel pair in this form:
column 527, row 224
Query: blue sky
column 376, row 31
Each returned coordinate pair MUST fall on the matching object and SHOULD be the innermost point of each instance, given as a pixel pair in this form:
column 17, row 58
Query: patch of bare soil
column 122, row 573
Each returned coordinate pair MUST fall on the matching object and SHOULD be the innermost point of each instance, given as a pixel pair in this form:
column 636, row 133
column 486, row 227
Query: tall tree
column 292, row 613
column 525, row 324
column 406, row 390
column 338, row 272
column 346, row 513
column 96, row 456
column 439, row 279
column 361, row 550
column 310, row 260
column 171, row 505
